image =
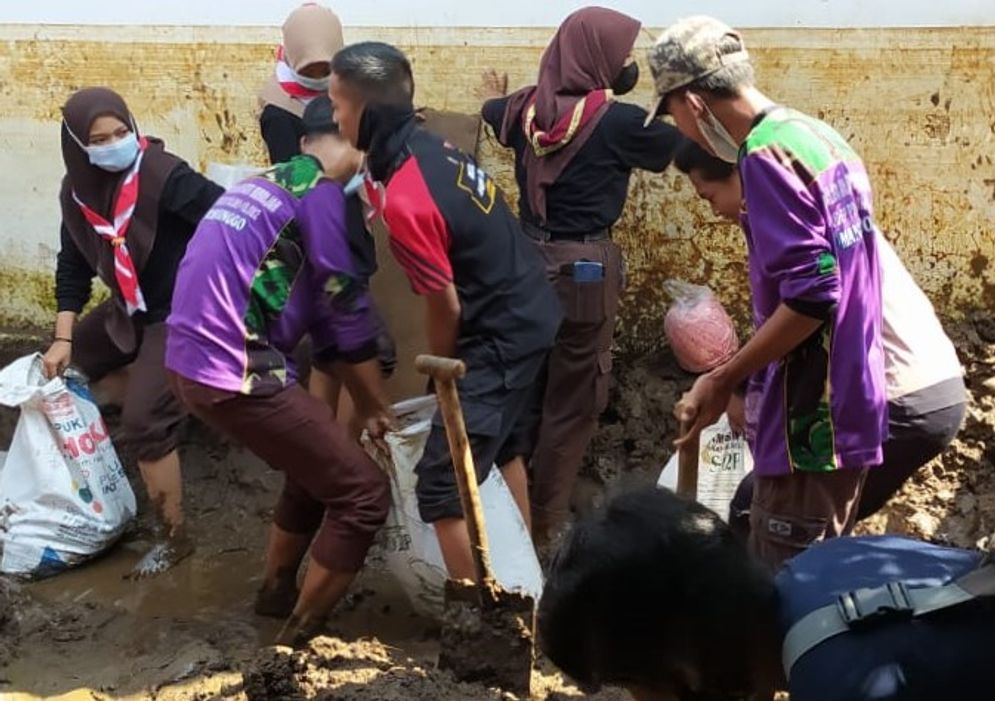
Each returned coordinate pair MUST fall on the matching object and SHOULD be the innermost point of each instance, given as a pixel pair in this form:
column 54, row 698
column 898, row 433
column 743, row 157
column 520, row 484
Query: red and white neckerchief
column 124, row 210
column 374, row 197
column 287, row 78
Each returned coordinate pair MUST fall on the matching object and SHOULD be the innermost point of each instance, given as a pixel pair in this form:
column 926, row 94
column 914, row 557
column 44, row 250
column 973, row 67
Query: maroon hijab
column 98, row 189
column 584, row 58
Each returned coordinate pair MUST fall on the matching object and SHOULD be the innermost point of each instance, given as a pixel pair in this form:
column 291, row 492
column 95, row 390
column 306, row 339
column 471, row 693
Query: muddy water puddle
column 90, row 633
column 198, row 588
column 99, row 633
column 180, row 635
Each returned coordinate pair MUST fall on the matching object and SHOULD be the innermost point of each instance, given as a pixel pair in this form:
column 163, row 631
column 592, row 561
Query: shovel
column 488, row 633
column 687, row 464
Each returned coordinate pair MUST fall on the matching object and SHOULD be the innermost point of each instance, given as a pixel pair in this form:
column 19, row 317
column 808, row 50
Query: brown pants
column 332, row 487
column 791, row 512
column 578, row 374
column 151, row 417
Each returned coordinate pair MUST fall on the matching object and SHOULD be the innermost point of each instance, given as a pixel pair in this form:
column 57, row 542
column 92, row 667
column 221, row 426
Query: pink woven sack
column 698, row 328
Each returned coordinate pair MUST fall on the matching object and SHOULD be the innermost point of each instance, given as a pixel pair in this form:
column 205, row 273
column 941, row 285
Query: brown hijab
column 98, row 189
column 311, row 33
column 584, row 58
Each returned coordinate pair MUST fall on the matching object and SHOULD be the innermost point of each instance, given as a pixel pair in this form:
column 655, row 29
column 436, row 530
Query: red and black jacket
column 449, row 223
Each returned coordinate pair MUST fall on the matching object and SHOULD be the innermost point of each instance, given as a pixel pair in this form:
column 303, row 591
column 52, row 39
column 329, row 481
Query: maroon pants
column 332, row 487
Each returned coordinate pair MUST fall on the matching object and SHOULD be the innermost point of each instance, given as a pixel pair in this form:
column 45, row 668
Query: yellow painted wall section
column 919, row 105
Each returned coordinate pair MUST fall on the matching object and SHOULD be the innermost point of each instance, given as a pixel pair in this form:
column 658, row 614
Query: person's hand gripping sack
column 57, row 358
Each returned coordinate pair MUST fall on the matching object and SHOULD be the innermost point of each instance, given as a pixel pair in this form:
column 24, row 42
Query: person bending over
column 654, row 593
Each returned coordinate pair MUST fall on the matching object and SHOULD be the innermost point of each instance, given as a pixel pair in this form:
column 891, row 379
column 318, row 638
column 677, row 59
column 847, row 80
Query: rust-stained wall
column 919, row 104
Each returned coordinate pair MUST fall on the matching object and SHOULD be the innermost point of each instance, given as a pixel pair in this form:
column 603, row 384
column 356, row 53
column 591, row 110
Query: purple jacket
column 269, row 263
column 812, row 245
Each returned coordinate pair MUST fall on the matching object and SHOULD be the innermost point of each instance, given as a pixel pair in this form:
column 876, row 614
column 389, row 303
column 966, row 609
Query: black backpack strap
column 867, row 607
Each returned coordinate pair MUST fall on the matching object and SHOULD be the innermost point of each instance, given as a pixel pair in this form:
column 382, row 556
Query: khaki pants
column 578, row 374
column 791, row 512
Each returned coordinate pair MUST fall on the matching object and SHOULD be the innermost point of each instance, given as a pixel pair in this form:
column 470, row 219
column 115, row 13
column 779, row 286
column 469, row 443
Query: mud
column 330, row 669
column 191, row 633
column 364, row 670
column 952, row 499
column 636, row 433
column 477, row 622
column 13, row 602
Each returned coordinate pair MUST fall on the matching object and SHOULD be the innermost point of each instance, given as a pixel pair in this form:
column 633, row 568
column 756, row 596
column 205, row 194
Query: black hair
column 649, row 587
column 314, row 138
column 317, row 118
column 379, row 72
column 689, row 156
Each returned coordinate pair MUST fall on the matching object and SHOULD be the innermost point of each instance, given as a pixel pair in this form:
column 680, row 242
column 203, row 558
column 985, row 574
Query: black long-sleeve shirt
column 590, row 192
column 282, row 132
column 184, row 201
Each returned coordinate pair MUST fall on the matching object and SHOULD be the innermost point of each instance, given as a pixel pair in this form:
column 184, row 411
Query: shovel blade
column 488, row 636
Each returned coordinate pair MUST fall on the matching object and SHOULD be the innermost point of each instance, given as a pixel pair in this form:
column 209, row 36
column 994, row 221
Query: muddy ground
column 191, row 634
column 951, row 500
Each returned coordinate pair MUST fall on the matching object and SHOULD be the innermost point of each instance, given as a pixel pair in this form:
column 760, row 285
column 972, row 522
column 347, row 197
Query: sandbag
column 698, row 328
column 411, row 547
column 64, row 495
column 226, row 175
column 723, row 460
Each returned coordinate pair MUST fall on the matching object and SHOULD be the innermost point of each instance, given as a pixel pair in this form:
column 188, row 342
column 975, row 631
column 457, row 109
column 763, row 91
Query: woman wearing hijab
column 128, row 209
column 311, row 36
column 575, row 148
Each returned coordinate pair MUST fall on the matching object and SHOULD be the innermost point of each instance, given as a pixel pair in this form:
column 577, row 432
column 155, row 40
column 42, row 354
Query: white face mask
column 354, row 184
column 718, row 137
column 114, row 157
column 316, row 84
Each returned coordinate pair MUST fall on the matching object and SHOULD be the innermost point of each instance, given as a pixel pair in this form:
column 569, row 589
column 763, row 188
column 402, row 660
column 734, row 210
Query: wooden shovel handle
column 687, row 464
column 445, row 372
column 440, row 369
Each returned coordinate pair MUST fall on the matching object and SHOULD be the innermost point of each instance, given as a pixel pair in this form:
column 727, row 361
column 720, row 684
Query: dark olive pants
column 578, row 374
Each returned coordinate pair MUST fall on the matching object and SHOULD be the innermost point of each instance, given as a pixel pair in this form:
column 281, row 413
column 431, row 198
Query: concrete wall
column 508, row 13
column 918, row 103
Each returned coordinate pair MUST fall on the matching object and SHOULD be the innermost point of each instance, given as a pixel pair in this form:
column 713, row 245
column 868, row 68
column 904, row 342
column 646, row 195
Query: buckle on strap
column 891, row 601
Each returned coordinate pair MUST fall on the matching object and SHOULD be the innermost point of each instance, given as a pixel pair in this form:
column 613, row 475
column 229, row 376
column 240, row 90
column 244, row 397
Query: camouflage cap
column 688, row 50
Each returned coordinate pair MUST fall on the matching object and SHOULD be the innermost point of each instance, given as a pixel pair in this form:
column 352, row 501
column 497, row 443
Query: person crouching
column 270, row 263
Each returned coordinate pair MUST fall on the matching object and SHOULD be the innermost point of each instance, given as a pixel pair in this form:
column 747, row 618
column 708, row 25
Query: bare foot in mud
column 298, row 630
column 277, row 600
column 163, row 555
column 548, row 546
